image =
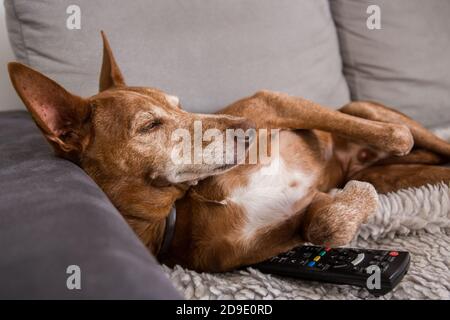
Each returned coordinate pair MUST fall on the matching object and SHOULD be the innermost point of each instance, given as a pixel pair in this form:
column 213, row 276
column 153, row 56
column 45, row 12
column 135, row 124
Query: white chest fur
column 270, row 195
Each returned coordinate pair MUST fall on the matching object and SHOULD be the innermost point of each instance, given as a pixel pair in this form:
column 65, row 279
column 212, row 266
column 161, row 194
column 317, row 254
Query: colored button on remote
column 393, row 253
column 312, row 264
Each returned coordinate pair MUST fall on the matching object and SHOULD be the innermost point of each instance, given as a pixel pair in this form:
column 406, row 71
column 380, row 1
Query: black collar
column 169, row 231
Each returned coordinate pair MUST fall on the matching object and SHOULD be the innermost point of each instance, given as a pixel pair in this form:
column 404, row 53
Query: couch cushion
column 406, row 64
column 209, row 53
column 52, row 215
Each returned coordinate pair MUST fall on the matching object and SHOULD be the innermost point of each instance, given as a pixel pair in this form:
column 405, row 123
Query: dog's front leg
column 334, row 221
column 277, row 110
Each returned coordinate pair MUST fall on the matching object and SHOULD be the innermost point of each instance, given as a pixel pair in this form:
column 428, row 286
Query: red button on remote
column 393, row 253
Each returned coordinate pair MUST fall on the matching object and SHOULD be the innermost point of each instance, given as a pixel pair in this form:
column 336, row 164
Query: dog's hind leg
column 423, row 138
column 416, row 156
column 334, row 221
column 269, row 109
column 393, row 177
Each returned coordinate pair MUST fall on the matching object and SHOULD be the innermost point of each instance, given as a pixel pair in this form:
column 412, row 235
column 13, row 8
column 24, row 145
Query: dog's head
column 122, row 130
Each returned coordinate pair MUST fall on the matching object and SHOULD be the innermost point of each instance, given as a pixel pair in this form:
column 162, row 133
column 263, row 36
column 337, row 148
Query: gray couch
column 52, row 215
column 209, row 53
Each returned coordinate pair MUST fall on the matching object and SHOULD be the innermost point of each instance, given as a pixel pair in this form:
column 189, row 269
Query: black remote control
column 341, row 266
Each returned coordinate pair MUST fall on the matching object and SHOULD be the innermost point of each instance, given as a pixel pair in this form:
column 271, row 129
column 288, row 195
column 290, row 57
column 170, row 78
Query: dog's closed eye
column 150, row 126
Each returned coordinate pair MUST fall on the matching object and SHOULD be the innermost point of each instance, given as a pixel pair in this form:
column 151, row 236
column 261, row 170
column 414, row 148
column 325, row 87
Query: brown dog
column 237, row 214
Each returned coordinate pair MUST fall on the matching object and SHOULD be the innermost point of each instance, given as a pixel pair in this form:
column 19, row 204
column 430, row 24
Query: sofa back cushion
column 209, row 53
column 406, row 63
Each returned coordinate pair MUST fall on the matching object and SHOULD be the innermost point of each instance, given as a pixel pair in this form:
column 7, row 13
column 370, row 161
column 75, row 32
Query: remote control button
column 312, row 264
column 377, row 258
column 359, row 258
column 302, row 262
column 327, row 249
column 340, row 266
column 359, row 269
column 322, row 253
column 393, row 253
column 384, row 266
column 350, row 258
column 316, row 258
column 274, row 259
column 290, row 253
column 391, row 259
column 325, row 267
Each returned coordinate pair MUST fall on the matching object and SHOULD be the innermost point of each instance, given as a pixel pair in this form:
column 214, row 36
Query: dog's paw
column 337, row 223
column 361, row 196
column 399, row 139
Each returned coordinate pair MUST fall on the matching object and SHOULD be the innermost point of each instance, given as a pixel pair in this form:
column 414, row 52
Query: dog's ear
column 110, row 75
column 61, row 116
